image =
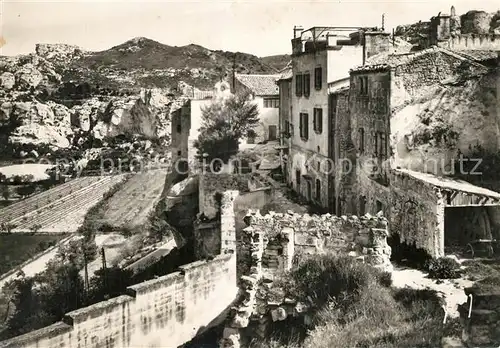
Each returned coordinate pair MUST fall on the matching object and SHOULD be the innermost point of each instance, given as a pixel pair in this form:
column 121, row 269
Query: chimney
column 375, row 42
column 297, row 30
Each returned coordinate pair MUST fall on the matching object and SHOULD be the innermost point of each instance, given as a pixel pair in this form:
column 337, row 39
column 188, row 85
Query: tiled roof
column 286, row 74
column 385, row 61
column 450, row 183
column 260, row 84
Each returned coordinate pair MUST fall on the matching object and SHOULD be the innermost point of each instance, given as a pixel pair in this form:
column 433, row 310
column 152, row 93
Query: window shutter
column 320, row 120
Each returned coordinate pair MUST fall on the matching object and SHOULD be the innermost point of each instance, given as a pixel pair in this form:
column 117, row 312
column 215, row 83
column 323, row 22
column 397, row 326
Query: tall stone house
column 265, row 93
column 391, row 124
column 321, row 58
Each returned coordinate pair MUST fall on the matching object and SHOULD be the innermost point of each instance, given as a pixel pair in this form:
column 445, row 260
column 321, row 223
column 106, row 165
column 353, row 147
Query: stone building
column 265, row 94
column 410, row 115
column 321, row 59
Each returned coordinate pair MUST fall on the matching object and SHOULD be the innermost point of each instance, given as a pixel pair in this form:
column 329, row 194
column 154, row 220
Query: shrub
column 443, row 268
column 323, row 277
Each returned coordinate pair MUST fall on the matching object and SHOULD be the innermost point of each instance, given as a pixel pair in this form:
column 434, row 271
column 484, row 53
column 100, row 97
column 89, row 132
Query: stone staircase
column 482, row 328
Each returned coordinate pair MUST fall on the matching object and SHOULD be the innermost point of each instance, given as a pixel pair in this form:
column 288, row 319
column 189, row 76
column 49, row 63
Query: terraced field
column 61, row 209
column 131, row 205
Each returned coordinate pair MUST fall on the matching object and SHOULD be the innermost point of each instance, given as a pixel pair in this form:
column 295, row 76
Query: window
column 307, row 85
column 361, row 140
column 298, row 85
column 271, row 102
column 304, row 126
column 318, row 190
column 297, row 179
column 179, row 153
column 318, row 75
column 179, row 129
column 380, row 144
column 318, row 120
column 383, row 144
column 362, row 205
column 363, row 85
column 380, row 207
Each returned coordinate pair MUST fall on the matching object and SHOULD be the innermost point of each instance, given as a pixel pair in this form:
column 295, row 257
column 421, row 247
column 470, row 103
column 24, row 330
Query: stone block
column 241, row 320
column 279, row 314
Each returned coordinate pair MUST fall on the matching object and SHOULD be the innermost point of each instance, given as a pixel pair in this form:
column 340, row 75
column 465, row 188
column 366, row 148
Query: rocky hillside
column 61, row 93
column 151, row 64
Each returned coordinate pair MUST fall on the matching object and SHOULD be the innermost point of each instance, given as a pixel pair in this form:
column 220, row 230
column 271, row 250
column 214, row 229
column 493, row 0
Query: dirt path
column 452, row 291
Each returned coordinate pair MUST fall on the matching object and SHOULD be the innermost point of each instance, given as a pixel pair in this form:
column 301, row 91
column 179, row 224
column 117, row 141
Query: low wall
column 163, row 312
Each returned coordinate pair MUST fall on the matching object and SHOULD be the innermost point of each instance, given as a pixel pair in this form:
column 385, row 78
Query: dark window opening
column 362, row 205
column 318, row 190
column 298, row 85
column 318, row 76
column 361, row 140
column 297, row 179
column 179, row 153
column 307, row 85
column 380, row 207
column 318, row 120
column 179, row 129
column 304, row 126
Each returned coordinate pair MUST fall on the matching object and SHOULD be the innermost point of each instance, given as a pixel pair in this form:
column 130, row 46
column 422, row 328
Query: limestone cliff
column 429, row 131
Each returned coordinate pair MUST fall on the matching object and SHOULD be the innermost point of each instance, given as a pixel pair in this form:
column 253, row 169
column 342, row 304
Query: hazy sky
column 260, row 27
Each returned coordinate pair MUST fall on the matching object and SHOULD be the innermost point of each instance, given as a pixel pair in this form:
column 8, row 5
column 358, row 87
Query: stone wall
column 212, row 185
column 316, row 234
column 473, row 42
column 167, row 311
column 417, row 214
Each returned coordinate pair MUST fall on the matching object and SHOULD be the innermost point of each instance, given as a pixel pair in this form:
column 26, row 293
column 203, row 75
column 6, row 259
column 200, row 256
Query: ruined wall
column 314, row 234
column 212, row 185
column 274, row 240
column 162, row 312
column 417, row 214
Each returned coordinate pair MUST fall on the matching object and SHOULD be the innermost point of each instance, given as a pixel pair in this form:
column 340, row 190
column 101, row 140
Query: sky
column 259, row 27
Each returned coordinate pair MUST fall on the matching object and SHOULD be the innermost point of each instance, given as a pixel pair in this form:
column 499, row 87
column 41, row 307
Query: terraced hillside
column 58, row 210
column 132, row 204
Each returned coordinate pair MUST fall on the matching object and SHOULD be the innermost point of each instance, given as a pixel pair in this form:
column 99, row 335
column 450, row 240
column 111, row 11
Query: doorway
column 309, row 190
column 273, row 132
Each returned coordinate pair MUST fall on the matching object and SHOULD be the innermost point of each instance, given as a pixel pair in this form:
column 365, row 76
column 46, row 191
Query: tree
column 223, row 124
column 5, row 192
column 25, row 190
column 108, row 283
